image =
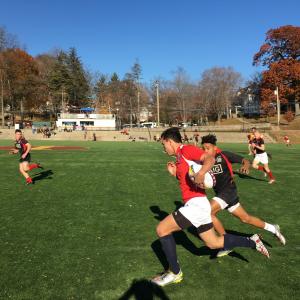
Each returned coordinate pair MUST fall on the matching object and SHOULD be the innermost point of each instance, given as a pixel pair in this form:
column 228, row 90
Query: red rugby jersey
column 188, row 188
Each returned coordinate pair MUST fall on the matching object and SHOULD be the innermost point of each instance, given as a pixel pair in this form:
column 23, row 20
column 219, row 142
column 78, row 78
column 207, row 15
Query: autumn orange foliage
column 281, row 55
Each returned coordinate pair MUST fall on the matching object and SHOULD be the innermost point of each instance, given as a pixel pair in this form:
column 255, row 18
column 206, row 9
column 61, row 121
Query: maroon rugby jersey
column 21, row 146
column 258, row 142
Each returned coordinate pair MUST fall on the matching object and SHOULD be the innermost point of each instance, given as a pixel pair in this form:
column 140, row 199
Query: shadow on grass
column 237, row 255
column 180, row 238
column 245, row 176
column 43, row 175
column 143, row 289
column 242, row 153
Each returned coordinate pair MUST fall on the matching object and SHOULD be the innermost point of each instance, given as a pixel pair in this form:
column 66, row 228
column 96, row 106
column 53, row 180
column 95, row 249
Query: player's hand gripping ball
column 209, row 178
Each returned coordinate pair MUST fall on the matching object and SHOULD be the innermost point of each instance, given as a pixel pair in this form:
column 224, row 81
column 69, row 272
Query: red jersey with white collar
column 188, row 188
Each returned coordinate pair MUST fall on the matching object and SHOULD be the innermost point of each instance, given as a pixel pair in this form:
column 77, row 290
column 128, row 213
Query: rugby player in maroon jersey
column 225, row 189
column 261, row 156
column 23, row 148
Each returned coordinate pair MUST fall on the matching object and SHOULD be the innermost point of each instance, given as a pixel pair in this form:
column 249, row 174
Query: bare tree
column 7, row 40
column 218, row 87
column 183, row 90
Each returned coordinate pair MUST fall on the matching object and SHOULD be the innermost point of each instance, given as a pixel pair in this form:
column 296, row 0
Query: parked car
column 148, row 125
column 129, row 126
column 184, row 124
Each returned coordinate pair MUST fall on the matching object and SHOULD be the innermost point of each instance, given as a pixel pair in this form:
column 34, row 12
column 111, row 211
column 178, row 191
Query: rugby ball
column 209, row 178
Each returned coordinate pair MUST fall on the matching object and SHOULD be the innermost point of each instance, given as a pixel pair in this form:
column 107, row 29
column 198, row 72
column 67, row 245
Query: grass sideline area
column 86, row 228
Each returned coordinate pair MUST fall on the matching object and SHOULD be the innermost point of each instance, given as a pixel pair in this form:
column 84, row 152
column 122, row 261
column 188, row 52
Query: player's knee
column 213, row 213
column 213, row 242
column 212, row 245
column 161, row 230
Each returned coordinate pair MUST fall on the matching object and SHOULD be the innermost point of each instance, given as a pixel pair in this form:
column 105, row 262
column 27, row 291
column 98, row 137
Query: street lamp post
column 157, row 100
column 117, row 119
column 249, row 104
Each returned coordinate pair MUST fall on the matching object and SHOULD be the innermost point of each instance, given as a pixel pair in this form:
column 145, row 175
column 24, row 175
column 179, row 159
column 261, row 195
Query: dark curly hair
column 210, row 139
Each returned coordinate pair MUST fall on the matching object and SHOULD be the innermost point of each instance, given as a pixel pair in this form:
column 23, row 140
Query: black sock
column 169, row 247
column 232, row 241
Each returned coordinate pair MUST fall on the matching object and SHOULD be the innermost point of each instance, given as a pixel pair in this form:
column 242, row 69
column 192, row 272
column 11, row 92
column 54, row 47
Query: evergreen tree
column 68, row 79
column 79, row 87
column 60, row 80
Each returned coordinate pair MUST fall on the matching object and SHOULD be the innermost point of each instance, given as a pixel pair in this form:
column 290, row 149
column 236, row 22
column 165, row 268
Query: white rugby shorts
column 197, row 210
column 261, row 158
column 224, row 204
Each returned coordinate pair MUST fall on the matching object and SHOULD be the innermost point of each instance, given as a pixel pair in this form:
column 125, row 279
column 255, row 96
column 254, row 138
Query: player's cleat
column 223, row 252
column 278, row 234
column 167, row 277
column 271, row 181
column 40, row 166
column 29, row 181
column 260, row 247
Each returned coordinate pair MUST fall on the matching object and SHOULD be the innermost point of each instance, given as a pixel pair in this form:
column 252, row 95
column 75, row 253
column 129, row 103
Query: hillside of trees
column 58, row 81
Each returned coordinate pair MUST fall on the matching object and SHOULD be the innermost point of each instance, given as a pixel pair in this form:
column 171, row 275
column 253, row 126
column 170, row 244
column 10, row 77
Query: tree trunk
column 219, row 118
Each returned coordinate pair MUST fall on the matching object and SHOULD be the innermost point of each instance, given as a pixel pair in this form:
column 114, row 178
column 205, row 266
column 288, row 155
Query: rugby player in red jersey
column 261, row 156
column 23, row 148
column 196, row 210
column 226, row 191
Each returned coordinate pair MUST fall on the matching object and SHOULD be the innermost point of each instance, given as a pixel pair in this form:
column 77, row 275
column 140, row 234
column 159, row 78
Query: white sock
column 270, row 228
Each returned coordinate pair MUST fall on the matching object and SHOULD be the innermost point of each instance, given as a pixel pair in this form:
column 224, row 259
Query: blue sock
column 169, row 247
column 232, row 241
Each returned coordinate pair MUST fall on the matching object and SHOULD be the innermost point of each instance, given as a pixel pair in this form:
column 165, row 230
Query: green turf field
column 86, row 228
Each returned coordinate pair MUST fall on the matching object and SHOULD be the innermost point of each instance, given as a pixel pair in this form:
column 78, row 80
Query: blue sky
column 163, row 35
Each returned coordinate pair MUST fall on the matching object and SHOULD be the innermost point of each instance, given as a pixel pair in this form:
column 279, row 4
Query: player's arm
column 28, row 148
column 261, row 147
column 237, row 159
column 13, row 151
column 207, row 163
column 171, row 167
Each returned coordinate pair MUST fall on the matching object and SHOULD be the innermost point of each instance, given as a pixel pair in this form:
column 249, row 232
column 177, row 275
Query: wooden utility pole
column 22, row 109
column 2, row 99
column 138, row 105
column 278, row 105
column 63, row 100
column 157, row 101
